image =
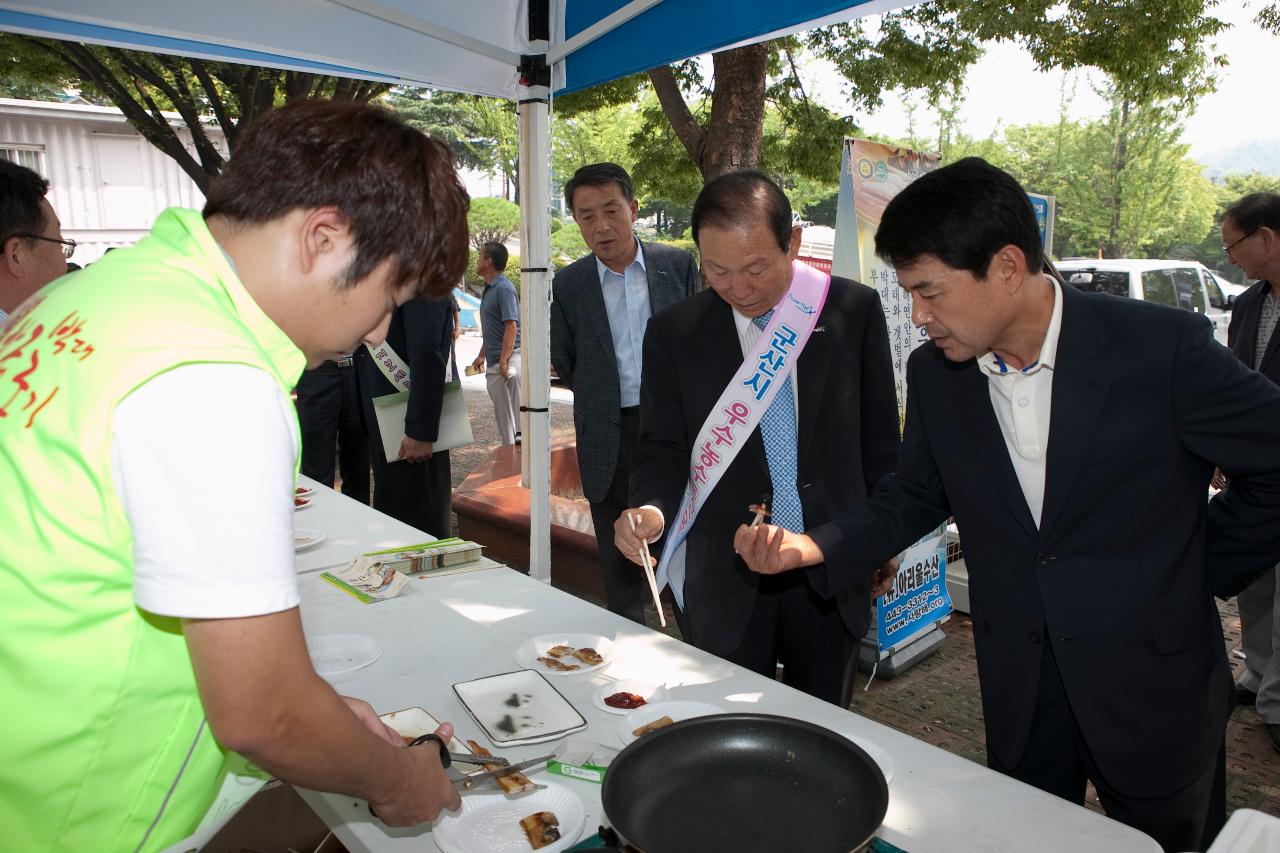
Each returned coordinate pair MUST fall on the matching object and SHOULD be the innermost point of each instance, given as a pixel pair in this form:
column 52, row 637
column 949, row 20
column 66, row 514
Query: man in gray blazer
column 601, row 306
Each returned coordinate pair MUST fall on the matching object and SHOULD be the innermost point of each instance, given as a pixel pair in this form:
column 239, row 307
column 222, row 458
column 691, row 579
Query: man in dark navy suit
column 1072, row 436
column 415, row 487
column 1251, row 237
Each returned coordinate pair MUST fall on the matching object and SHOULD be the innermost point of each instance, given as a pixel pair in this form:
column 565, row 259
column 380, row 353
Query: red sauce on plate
column 624, row 700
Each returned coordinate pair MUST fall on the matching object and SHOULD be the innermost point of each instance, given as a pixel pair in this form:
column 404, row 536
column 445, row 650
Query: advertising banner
column 871, row 174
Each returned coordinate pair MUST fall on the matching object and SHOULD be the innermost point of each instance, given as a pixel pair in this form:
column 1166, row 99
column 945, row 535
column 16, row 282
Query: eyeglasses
column 1226, row 249
column 68, row 246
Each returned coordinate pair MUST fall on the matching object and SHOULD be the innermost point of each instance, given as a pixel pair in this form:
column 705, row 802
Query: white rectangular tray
column 518, row 707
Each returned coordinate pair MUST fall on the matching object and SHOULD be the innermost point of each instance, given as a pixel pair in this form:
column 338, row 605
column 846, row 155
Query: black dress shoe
column 1273, row 729
column 1245, row 696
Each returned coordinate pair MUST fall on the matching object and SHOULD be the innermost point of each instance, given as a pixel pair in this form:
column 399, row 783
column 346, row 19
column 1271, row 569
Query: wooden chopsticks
column 647, row 560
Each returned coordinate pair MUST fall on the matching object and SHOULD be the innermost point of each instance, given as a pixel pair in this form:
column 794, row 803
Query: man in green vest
column 148, row 453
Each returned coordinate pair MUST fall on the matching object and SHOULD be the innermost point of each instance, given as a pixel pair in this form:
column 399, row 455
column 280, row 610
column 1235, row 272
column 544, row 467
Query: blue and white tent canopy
column 461, row 45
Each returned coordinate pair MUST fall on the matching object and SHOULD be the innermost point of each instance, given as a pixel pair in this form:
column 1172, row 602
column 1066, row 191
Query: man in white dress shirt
column 1072, row 436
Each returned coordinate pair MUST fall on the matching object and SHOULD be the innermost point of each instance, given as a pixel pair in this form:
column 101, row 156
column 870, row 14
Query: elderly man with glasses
column 34, row 251
column 1251, row 239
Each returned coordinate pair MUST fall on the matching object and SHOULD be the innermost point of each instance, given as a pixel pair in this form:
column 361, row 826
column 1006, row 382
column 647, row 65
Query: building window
column 31, row 156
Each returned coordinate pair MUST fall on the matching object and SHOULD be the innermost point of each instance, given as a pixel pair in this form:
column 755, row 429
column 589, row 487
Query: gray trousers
column 1260, row 637
column 505, row 394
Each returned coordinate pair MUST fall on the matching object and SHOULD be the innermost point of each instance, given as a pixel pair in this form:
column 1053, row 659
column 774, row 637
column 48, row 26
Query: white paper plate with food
column 518, row 708
column 657, row 715
column 300, row 502
column 624, row 694
column 336, row 654
column 303, row 491
column 305, row 538
column 493, row 823
column 565, row 654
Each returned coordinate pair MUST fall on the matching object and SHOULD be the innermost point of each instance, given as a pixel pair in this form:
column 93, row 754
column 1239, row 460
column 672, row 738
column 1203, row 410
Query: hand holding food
column 770, row 550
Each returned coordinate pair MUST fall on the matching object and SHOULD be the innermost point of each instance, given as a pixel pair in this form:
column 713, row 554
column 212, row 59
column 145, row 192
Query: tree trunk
column 732, row 139
column 1113, row 249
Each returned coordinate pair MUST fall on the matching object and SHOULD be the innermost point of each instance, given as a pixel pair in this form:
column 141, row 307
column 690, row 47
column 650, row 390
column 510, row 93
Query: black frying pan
column 744, row 782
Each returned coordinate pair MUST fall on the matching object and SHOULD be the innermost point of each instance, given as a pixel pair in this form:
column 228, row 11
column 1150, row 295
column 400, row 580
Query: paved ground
column 937, row 701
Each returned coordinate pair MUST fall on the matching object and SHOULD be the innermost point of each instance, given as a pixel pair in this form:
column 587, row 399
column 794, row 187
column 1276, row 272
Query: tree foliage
column 146, row 85
column 492, row 220
column 1146, row 198
column 1151, row 49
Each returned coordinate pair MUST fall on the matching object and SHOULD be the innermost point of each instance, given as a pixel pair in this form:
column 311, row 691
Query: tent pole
column 533, row 105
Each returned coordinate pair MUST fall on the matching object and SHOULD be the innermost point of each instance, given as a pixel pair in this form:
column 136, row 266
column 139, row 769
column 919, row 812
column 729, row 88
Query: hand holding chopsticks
column 647, row 562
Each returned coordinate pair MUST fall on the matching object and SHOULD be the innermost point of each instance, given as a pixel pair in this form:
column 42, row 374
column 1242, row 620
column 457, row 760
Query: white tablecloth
column 449, row 629
column 350, row 528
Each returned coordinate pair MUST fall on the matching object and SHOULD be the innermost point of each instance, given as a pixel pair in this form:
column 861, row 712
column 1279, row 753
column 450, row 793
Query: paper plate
column 304, row 538
column 303, row 491
column 334, row 654
column 676, row 709
column 490, row 823
column 649, row 692
column 532, row 649
column 300, row 502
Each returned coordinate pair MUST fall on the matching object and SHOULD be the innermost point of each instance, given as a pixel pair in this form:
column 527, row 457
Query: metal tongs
column 466, row 782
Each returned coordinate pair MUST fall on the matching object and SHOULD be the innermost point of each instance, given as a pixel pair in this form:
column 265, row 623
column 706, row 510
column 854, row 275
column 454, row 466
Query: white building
column 107, row 183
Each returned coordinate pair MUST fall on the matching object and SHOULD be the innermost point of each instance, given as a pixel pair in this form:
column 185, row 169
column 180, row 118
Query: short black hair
column 396, row 186
column 497, row 253
column 20, row 193
column 598, row 175
column 1255, row 211
column 962, row 214
column 728, row 200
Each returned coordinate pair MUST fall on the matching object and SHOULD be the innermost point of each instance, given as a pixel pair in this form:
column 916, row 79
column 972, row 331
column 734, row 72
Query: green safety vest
column 103, row 741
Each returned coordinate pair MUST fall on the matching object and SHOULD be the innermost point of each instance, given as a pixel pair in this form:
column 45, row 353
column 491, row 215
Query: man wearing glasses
column 34, row 251
column 1251, row 239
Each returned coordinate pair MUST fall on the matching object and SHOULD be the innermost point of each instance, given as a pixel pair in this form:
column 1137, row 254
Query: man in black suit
column 329, row 417
column 602, row 305
column 1251, row 237
column 842, row 417
column 415, row 487
column 1072, row 436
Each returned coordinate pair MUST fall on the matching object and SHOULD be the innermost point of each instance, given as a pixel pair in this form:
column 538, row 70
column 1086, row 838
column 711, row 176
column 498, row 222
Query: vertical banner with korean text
column 871, row 174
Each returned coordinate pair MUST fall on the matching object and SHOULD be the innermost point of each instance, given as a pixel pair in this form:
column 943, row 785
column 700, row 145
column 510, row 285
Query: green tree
column 1154, row 202
column 492, row 220
column 203, row 94
column 567, row 245
column 1153, row 49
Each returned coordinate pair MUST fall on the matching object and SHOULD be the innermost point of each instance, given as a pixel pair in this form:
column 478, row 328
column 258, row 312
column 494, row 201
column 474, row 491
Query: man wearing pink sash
column 776, row 380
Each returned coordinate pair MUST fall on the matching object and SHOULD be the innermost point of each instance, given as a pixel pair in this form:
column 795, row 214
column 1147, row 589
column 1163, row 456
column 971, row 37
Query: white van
column 1181, row 284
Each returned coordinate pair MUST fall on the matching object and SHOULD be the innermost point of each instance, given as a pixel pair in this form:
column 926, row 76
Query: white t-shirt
column 203, row 458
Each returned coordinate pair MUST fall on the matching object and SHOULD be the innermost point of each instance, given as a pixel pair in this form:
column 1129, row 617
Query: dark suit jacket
column 583, row 354
column 1242, row 332
column 1118, row 575
column 848, row 439
column 421, row 333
